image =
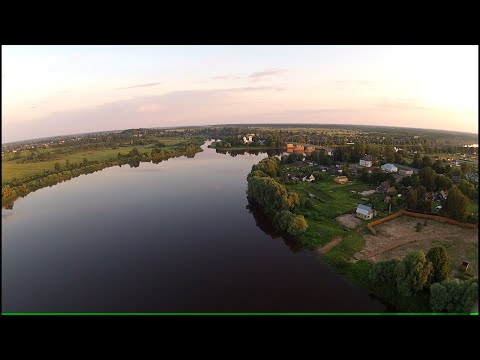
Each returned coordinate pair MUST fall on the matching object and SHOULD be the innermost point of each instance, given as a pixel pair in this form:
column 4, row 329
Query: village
column 341, row 200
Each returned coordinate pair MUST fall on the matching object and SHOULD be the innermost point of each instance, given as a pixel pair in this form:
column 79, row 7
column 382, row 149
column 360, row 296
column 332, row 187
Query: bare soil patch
column 330, row 245
column 349, row 220
column 397, row 237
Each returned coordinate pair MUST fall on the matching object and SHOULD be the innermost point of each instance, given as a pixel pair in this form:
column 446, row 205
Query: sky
column 60, row 90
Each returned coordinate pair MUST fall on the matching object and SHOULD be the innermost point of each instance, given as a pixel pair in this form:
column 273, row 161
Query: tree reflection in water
column 265, row 224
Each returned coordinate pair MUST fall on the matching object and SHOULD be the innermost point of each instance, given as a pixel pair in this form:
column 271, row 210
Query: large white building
column 366, row 161
column 390, row 168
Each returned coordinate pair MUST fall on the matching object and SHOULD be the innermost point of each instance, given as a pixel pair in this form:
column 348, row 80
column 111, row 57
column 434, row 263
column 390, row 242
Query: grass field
column 10, row 169
column 332, row 200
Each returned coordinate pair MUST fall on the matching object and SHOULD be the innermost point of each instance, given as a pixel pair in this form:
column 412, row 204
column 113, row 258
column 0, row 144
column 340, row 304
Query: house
column 405, row 172
column 341, row 180
column 364, row 212
column 465, row 266
column 309, row 179
column 366, row 161
column 387, row 199
column 390, row 168
column 294, row 178
column 248, row 139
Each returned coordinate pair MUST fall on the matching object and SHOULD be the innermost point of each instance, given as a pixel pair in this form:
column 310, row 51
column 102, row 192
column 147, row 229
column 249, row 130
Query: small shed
column 364, row 212
column 341, row 180
column 465, row 266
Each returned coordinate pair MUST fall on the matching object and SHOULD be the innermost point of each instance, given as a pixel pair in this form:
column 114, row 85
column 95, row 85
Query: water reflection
column 265, row 224
column 233, row 153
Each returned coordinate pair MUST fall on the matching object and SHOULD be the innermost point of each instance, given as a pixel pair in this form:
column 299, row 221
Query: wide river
column 177, row 236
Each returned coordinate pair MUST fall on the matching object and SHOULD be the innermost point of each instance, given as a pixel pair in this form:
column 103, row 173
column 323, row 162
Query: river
column 178, row 236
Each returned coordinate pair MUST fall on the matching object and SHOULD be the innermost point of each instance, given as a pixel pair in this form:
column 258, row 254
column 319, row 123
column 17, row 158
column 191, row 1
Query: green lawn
column 332, row 200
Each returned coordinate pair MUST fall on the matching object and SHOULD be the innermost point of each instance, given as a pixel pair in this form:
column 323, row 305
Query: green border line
column 226, row 313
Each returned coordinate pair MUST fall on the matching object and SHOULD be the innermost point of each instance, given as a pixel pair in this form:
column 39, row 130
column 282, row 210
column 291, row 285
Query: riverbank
column 326, row 205
column 246, row 147
column 37, row 177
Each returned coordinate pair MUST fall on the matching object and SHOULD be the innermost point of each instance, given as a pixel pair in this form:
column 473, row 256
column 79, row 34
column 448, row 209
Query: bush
column 419, row 227
column 309, row 204
column 384, row 271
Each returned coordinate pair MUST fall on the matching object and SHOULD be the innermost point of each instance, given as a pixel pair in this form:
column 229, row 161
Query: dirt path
column 330, row 245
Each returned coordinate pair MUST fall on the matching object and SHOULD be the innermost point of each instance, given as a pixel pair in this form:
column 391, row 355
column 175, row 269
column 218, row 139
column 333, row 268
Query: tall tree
column 457, row 204
column 427, row 177
column 412, row 273
column 443, row 183
column 440, row 260
column 412, row 199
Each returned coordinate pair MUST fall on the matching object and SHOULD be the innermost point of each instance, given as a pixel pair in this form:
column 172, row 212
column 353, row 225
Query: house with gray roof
column 364, row 212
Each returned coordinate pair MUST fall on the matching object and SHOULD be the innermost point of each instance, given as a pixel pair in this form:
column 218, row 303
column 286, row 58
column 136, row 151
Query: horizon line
column 260, row 125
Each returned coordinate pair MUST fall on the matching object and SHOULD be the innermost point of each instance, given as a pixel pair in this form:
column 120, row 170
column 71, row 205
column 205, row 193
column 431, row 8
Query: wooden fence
column 423, row 216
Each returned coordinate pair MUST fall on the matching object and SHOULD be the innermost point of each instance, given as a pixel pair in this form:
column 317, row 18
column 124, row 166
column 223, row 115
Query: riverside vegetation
column 32, row 170
column 418, row 282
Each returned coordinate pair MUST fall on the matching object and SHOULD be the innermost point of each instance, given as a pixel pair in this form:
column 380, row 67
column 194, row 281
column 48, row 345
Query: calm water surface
column 171, row 237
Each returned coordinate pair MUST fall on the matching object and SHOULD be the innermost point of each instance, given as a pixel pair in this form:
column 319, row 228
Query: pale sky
column 59, row 90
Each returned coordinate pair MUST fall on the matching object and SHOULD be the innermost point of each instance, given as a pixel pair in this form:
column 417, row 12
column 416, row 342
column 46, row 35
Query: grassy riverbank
column 20, row 177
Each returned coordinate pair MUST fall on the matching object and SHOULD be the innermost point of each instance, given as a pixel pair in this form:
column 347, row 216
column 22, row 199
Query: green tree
column 426, row 161
column 443, row 183
column 440, row 260
column 412, row 273
column 454, row 296
column 468, row 189
column 58, row 167
column 282, row 220
column 465, row 168
column 439, row 297
column 457, row 204
column 298, row 225
column 268, row 165
column 427, row 177
column 389, row 153
column 412, row 199
column 417, row 162
column 384, row 271
column 67, row 164
column 85, row 161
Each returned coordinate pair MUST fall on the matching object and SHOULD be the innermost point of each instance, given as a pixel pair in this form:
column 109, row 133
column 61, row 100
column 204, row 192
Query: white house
column 309, row 179
column 248, row 139
column 366, row 161
column 390, row 168
column 364, row 212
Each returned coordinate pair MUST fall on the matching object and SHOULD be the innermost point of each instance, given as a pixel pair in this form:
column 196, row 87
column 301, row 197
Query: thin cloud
column 139, row 85
column 63, row 91
column 400, row 104
column 355, row 83
column 261, row 75
column 225, row 77
column 174, row 108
